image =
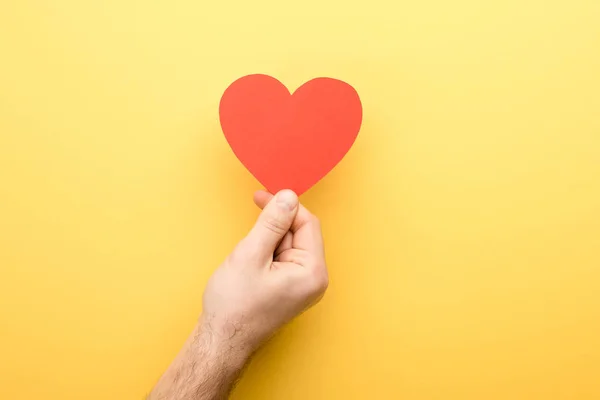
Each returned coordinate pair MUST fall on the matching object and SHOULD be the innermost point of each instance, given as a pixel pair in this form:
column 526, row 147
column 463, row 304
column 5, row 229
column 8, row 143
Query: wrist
column 224, row 340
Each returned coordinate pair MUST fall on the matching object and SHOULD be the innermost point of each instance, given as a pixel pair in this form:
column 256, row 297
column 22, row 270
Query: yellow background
column 462, row 229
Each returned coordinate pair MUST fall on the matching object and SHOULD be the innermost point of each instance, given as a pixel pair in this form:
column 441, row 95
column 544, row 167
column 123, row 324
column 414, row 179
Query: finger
column 309, row 237
column 262, row 198
column 302, row 258
column 316, row 266
column 286, row 244
column 293, row 256
column 273, row 223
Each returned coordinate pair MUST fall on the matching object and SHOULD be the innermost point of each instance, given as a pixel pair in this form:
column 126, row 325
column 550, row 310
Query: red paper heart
column 290, row 141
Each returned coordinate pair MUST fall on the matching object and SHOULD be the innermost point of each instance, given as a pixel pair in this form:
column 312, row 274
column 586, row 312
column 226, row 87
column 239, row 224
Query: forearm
column 276, row 272
column 206, row 368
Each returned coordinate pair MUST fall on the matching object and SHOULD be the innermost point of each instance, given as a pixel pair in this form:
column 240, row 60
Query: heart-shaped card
column 290, row 141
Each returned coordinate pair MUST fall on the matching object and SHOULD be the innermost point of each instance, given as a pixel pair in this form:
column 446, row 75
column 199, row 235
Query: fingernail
column 287, row 199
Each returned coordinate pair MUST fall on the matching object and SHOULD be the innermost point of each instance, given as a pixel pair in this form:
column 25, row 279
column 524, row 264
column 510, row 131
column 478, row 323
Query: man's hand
column 276, row 272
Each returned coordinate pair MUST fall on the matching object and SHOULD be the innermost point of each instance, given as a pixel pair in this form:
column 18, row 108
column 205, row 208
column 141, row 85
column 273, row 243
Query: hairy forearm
column 272, row 275
column 206, row 368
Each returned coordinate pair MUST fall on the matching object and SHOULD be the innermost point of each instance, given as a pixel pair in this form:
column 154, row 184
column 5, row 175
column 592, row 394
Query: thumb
column 274, row 222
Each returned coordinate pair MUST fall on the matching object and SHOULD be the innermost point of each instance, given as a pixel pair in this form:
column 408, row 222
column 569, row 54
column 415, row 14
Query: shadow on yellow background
column 462, row 229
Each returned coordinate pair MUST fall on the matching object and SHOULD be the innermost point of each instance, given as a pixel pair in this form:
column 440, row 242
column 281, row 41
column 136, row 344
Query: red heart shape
column 290, row 141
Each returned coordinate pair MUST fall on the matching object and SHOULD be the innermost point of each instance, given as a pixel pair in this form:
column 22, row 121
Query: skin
column 275, row 273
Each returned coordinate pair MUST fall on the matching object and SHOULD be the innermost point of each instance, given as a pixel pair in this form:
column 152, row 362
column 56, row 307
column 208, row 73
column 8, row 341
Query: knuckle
column 275, row 225
column 314, row 220
column 324, row 283
column 319, row 280
column 316, row 226
column 299, row 258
